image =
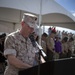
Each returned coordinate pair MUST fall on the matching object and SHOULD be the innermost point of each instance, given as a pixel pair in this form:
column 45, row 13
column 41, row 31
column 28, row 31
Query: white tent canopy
column 52, row 12
column 33, row 6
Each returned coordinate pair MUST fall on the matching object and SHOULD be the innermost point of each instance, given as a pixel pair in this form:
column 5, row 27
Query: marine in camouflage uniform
column 19, row 50
column 22, row 48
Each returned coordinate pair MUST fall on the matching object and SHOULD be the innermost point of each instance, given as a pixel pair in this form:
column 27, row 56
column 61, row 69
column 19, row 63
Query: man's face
column 53, row 35
column 31, row 29
column 28, row 29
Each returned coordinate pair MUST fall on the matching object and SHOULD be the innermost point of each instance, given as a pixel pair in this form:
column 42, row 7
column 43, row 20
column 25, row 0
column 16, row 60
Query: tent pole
column 40, row 20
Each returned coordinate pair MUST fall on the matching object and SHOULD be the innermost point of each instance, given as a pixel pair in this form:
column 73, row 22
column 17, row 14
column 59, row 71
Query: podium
column 57, row 67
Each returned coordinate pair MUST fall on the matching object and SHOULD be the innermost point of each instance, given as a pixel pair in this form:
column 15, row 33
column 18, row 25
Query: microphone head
column 32, row 40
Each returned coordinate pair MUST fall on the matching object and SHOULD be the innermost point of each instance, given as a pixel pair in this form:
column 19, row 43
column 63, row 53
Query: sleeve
column 9, row 46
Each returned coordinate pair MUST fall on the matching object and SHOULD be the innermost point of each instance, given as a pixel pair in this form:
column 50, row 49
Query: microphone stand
column 39, row 58
column 40, row 53
column 34, row 43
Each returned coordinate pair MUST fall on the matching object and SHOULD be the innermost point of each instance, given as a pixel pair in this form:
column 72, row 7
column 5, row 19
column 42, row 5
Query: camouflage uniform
column 17, row 45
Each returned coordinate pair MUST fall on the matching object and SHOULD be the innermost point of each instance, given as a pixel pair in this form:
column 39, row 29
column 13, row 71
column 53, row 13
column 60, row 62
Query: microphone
column 34, row 43
column 32, row 40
